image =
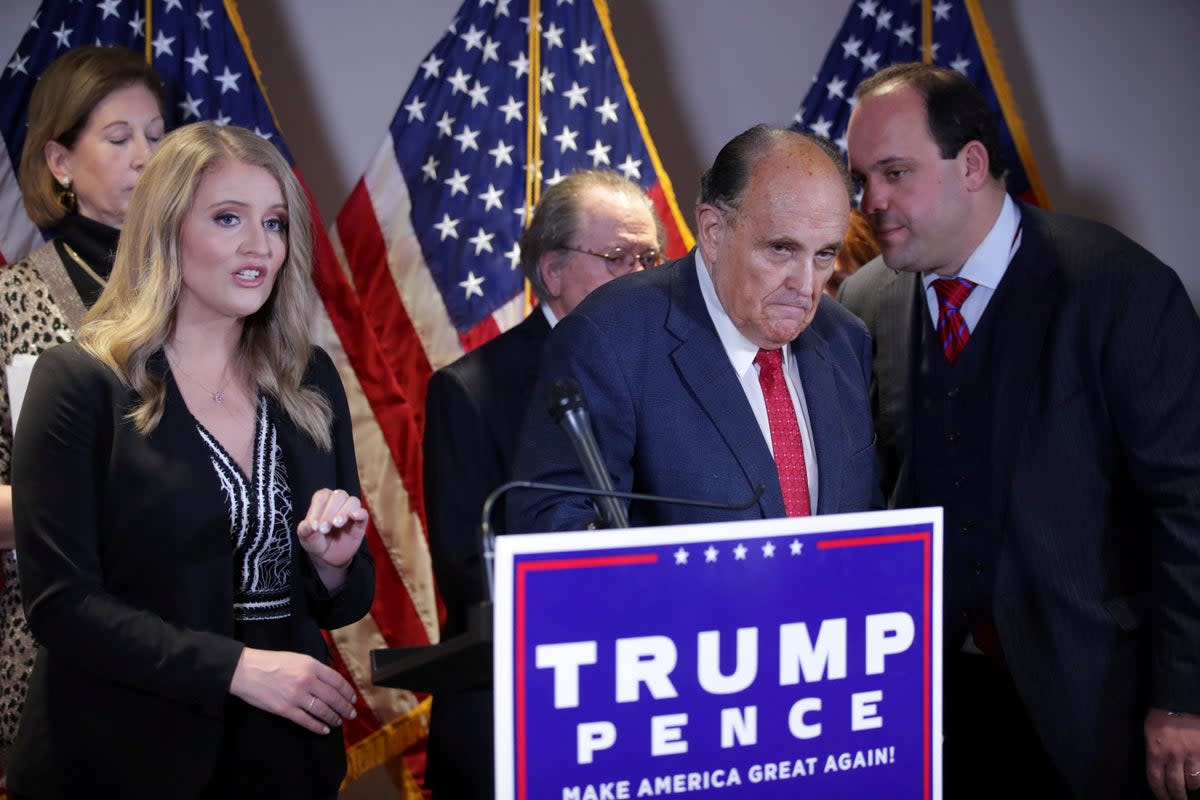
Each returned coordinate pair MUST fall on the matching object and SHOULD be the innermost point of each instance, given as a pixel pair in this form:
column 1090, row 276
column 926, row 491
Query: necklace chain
column 218, row 396
column 83, row 264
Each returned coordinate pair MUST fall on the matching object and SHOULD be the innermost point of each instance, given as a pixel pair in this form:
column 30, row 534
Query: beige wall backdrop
column 1107, row 88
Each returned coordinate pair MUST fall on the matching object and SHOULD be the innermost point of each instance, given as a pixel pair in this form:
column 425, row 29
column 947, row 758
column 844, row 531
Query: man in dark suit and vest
column 1037, row 375
column 723, row 370
column 590, row 227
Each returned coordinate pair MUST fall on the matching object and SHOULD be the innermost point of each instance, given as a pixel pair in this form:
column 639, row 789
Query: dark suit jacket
column 127, row 578
column 671, row 417
column 473, row 413
column 1096, row 448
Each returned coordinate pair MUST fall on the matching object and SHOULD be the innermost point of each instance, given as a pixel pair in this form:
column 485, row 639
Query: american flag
column 430, row 231
column 879, row 33
column 200, row 50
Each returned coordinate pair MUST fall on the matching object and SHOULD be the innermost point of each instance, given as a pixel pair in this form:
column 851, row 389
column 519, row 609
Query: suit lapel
column 821, row 399
column 702, row 365
column 1027, row 296
column 901, row 310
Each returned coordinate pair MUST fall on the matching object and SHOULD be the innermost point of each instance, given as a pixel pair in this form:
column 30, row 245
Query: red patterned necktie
column 951, row 327
column 786, row 442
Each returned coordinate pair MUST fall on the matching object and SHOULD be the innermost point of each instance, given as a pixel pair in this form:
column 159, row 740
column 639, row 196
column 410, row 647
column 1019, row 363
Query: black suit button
column 966, row 527
column 952, row 393
column 953, row 436
column 976, row 567
column 960, row 482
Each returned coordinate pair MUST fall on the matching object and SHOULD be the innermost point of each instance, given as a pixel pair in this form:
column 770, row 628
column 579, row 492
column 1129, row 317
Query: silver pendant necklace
column 218, row 396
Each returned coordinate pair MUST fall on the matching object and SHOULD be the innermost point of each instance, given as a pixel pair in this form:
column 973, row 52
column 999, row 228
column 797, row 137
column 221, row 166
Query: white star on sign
column 473, row 285
column 681, row 556
column 768, row 550
column 796, row 546
column 710, row 555
column 739, row 552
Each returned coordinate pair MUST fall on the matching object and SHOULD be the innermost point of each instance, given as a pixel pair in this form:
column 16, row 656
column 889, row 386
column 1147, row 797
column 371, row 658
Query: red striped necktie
column 786, row 441
column 951, row 327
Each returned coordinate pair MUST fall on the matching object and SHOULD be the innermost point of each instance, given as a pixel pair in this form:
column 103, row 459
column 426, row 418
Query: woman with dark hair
column 95, row 117
column 185, row 501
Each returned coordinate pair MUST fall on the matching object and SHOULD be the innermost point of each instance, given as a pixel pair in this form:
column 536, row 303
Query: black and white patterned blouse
column 260, row 520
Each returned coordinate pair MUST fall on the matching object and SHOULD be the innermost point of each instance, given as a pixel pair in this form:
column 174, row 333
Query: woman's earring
column 67, row 198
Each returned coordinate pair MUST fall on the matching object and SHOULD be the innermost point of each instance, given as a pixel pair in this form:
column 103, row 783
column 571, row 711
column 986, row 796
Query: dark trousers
column 991, row 749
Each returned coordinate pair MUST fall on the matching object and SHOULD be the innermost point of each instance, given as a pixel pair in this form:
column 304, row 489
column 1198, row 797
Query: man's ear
column 710, row 229
column 58, row 159
column 550, row 268
column 974, row 165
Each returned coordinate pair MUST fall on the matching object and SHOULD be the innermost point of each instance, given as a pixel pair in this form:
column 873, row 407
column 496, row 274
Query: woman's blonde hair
column 135, row 316
column 59, row 108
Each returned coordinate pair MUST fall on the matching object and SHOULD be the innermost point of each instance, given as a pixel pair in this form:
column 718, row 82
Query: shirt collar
column 987, row 264
column 740, row 350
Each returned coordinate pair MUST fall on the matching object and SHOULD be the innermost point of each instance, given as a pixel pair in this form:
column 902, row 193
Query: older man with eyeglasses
column 723, row 370
column 589, row 228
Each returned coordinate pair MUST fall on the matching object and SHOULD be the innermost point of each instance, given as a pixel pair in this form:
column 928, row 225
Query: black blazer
column 1096, row 450
column 126, row 573
column 473, row 413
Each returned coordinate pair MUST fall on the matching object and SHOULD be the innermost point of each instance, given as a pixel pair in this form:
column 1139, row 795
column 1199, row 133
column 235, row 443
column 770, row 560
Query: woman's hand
column 331, row 533
column 293, row 686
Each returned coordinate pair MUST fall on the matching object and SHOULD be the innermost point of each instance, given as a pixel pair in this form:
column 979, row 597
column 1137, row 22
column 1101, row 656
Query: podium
column 781, row 657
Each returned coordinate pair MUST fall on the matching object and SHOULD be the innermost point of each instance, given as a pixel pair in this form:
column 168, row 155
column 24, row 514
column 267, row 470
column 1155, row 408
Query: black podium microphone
column 566, row 405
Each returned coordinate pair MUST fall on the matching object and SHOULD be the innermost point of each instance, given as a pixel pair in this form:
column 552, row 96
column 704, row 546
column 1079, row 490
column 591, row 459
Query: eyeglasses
column 620, row 261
